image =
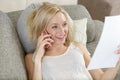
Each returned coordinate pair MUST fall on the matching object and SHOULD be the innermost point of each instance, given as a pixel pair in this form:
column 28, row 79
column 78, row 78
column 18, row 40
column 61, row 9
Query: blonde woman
column 56, row 56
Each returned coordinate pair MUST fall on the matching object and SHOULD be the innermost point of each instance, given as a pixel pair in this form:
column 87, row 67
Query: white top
column 68, row 66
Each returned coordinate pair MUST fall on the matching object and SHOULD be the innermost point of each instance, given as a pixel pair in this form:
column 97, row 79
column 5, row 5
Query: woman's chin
column 59, row 42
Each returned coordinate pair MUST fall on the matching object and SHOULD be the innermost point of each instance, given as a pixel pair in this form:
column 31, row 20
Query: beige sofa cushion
column 80, row 27
column 11, row 54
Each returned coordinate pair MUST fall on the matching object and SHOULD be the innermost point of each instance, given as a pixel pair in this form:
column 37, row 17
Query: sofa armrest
column 99, row 29
column 91, row 46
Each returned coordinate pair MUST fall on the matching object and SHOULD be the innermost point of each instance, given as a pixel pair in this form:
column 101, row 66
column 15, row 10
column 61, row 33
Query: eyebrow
column 57, row 23
column 54, row 23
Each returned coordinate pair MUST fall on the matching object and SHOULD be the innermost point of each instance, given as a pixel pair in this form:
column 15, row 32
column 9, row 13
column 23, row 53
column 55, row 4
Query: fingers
column 47, row 44
column 44, row 40
column 48, row 40
column 118, row 51
column 42, row 37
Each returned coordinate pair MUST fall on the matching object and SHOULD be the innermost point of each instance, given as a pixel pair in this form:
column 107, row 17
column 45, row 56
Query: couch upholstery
column 94, row 29
column 11, row 54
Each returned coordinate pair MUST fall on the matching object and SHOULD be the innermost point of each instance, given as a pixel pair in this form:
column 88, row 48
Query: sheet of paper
column 105, row 54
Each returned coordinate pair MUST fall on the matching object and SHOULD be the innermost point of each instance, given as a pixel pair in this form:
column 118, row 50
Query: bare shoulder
column 81, row 47
column 78, row 44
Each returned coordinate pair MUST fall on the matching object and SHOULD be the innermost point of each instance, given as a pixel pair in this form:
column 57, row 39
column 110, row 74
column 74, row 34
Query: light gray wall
column 13, row 5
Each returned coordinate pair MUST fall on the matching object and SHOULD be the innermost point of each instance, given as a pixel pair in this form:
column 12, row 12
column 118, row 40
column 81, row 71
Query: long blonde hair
column 40, row 17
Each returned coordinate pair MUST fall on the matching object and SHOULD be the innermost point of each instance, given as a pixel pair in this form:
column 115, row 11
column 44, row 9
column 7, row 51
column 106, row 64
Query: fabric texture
column 70, row 66
column 28, row 43
column 80, row 27
column 91, row 46
column 11, row 53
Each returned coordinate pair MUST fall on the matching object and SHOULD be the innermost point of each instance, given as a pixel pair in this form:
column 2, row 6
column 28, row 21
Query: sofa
column 12, row 49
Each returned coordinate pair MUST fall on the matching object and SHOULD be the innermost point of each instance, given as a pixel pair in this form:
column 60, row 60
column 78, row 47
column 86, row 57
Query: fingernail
column 116, row 51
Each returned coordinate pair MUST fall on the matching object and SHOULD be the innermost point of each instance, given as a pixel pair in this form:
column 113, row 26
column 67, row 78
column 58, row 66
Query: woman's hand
column 118, row 51
column 44, row 41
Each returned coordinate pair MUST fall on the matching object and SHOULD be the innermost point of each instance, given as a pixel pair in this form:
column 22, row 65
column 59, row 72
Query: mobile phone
column 46, row 32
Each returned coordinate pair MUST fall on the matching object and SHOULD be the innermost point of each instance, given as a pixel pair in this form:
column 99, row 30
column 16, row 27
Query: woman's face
column 58, row 28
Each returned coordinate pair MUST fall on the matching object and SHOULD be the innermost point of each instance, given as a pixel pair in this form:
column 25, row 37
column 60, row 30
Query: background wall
column 97, row 8
column 60, row 2
column 13, row 5
column 101, row 8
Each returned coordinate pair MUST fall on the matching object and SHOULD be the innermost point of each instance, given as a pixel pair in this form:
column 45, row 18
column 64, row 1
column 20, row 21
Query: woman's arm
column 33, row 69
column 37, row 74
column 98, row 74
column 29, row 65
column 33, row 64
column 43, row 41
column 110, row 73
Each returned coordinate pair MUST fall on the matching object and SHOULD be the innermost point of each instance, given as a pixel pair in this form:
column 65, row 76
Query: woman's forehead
column 59, row 17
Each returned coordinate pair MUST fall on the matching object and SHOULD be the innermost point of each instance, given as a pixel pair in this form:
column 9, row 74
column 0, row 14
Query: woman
column 56, row 56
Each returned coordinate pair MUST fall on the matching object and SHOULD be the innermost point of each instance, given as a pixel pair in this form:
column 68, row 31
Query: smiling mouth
column 60, row 37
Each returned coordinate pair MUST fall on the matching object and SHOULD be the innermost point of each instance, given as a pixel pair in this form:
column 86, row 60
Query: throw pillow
column 80, row 27
column 28, row 44
column 11, row 58
column 80, row 30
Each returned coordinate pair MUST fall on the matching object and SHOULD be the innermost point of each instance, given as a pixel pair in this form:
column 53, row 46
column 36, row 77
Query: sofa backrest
column 12, row 65
column 75, row 11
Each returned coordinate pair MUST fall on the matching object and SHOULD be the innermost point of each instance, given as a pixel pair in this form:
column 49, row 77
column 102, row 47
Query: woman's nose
column 61, row 30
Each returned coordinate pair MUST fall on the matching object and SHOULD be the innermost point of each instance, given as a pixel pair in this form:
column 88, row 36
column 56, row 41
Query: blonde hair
column 40, row 17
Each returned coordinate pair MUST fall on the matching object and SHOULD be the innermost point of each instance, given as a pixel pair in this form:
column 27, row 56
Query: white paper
column 105, row 55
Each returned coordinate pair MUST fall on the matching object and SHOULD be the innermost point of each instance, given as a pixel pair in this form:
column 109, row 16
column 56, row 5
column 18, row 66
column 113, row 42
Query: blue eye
column 54, row 26
column 65, row 24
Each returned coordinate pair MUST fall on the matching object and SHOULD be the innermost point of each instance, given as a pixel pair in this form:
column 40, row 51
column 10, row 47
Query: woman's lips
column 60, row 37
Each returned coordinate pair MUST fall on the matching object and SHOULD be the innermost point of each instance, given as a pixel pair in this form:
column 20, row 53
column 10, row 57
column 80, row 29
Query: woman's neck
column 56, row 50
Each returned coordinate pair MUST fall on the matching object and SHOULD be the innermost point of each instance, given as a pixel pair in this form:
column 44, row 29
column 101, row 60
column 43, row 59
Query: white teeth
column 60, row 36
